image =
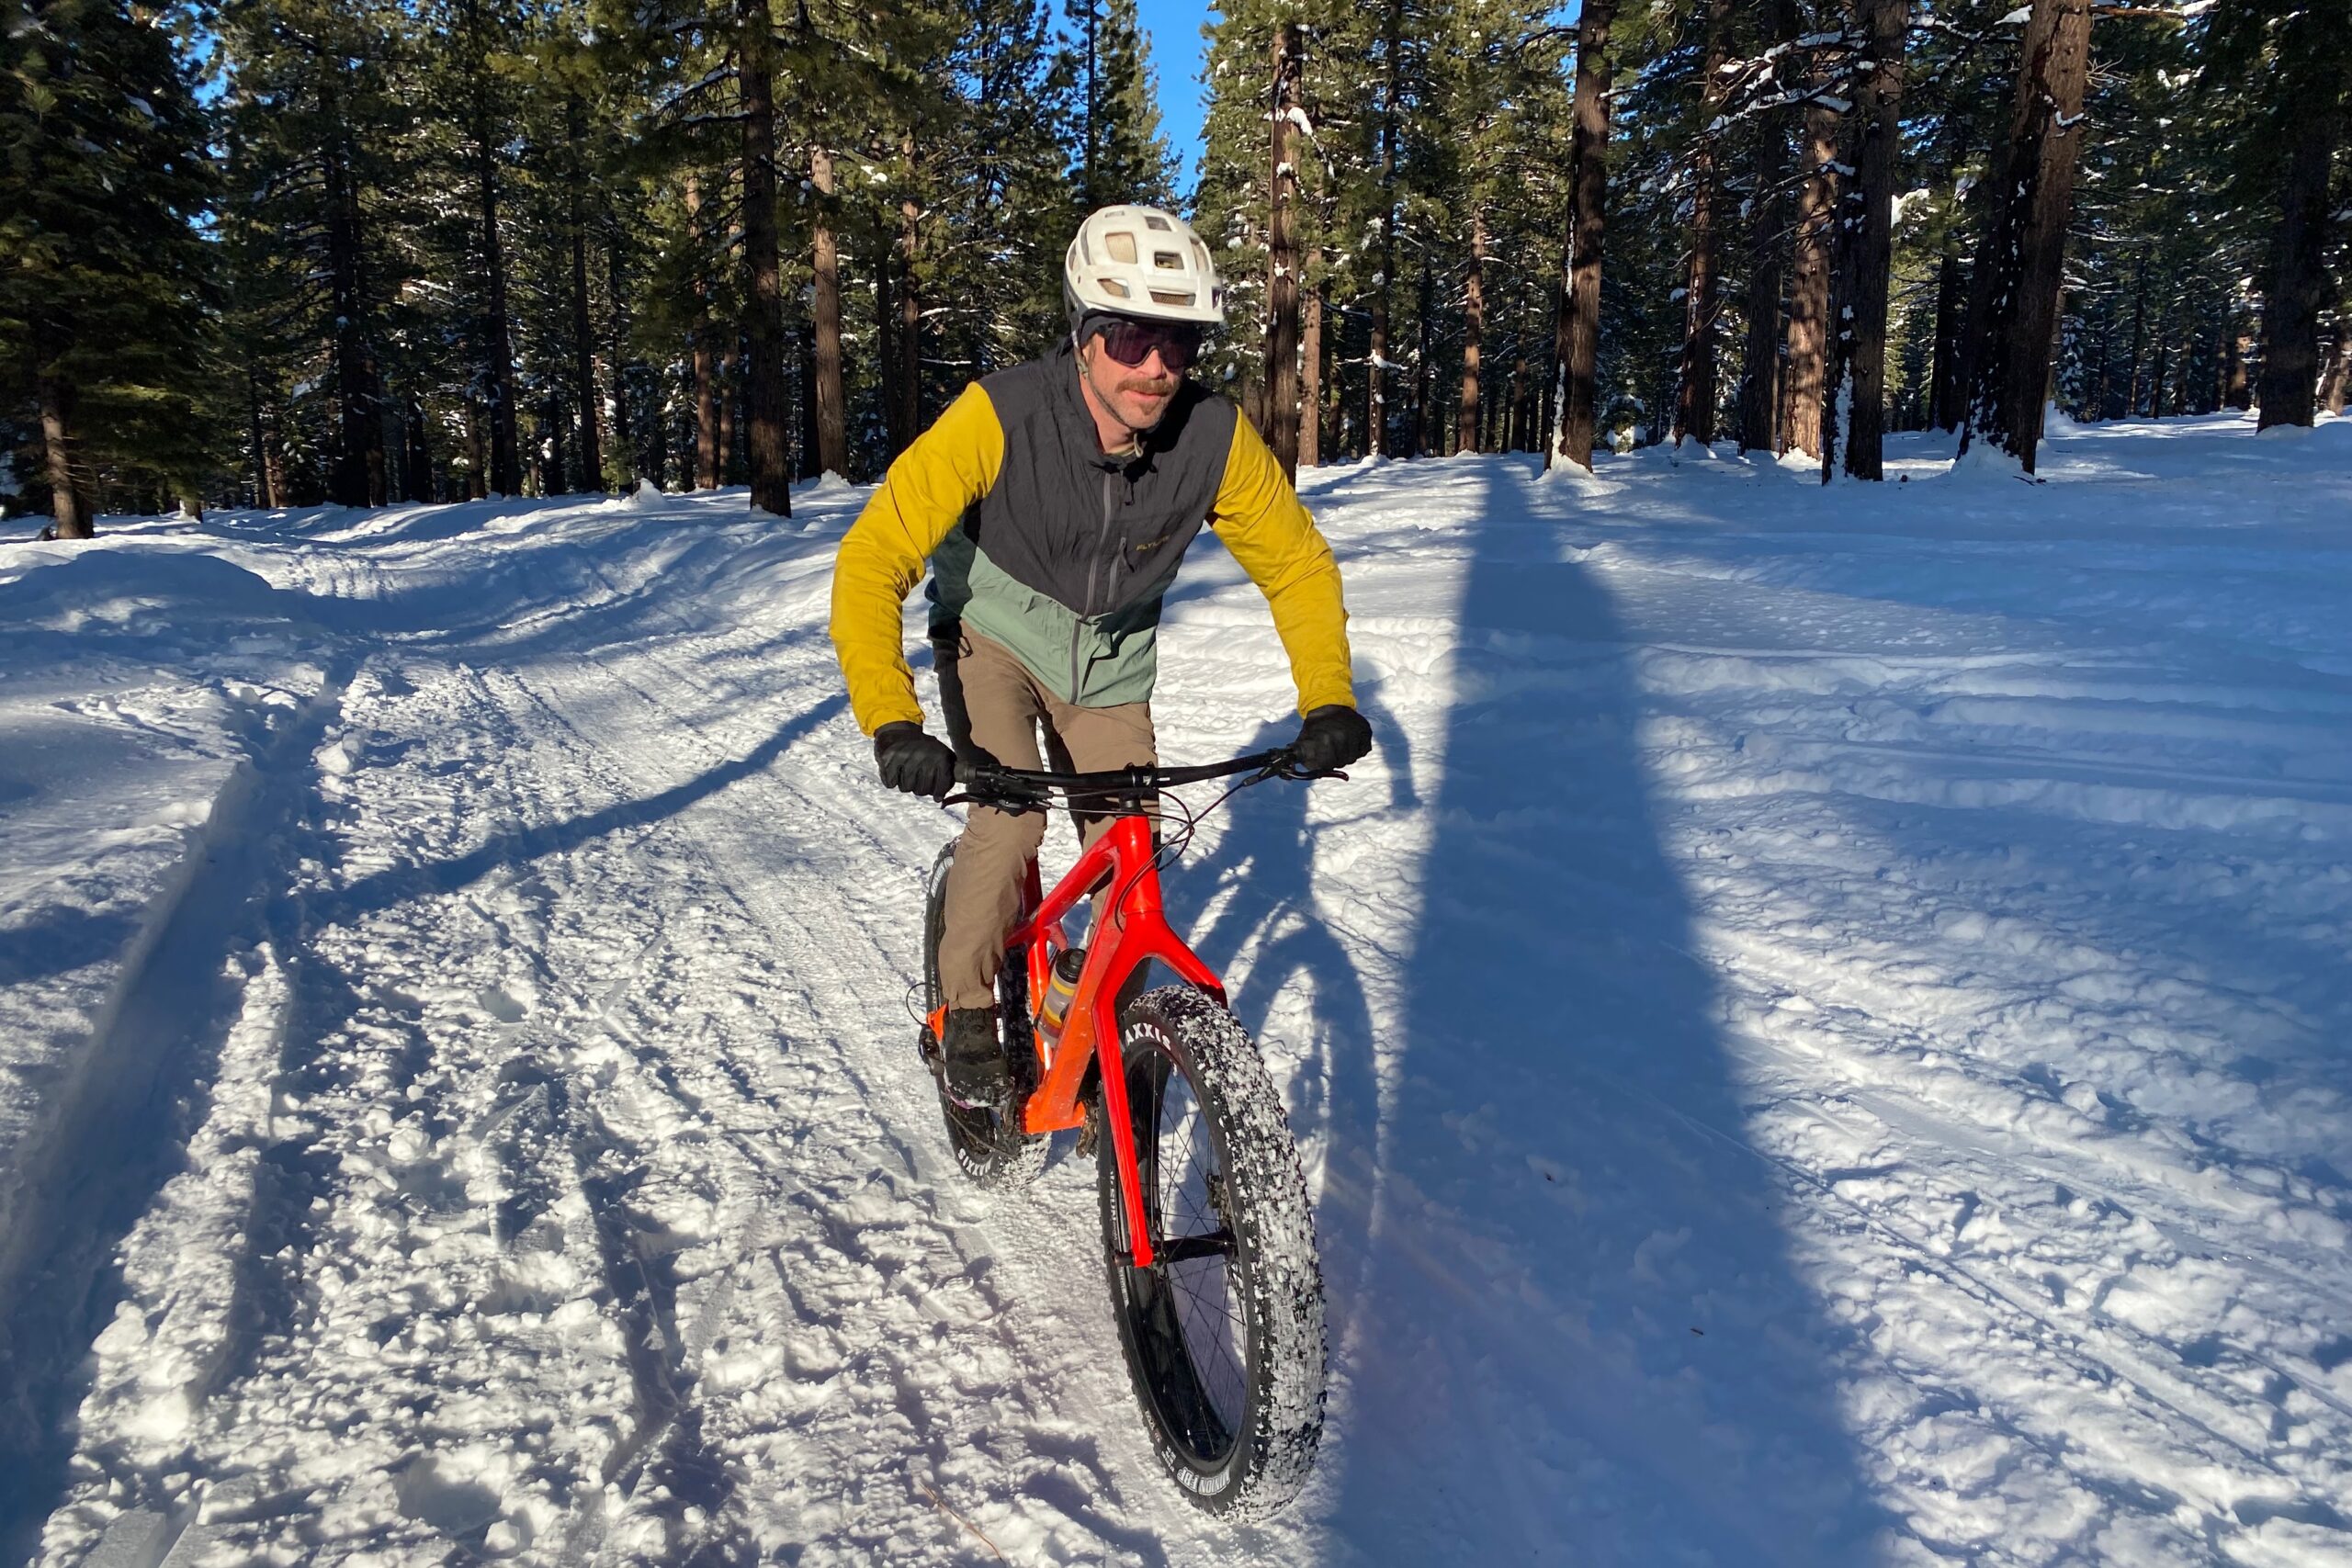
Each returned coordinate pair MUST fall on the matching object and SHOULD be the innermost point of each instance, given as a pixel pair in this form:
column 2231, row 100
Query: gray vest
column 1066, row 558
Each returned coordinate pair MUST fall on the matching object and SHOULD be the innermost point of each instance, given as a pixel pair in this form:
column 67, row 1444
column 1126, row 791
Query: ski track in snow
column 1820, row 1037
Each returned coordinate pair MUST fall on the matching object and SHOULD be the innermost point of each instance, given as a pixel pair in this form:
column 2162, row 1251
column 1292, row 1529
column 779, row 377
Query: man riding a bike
column 1054, row 503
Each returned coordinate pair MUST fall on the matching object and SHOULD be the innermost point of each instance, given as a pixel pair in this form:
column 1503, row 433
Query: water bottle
column 1061, row 984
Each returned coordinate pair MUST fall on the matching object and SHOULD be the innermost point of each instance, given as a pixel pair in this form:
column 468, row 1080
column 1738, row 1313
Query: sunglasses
column 1131, row 342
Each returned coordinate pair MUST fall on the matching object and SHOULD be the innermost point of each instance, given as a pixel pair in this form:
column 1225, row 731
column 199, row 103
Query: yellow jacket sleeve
column 945, row 469
column 1258, row 515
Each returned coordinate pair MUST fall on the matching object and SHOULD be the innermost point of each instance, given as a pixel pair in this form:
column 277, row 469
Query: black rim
column 1186, row 1311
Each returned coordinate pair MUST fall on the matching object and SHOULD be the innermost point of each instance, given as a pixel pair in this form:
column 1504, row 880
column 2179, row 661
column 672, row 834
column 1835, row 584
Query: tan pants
column 992, row 702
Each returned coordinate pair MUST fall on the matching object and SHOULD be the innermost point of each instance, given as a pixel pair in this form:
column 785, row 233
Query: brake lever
column 1018, row 805
column 1293, row 771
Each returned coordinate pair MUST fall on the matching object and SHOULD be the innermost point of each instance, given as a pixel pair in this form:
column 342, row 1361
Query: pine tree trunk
column 2014, row 304
column 810, row 467
column 505, row 476
column 2101, row 383
column 909, row 311
column 1310, row 384
column 1376, row 369
column 584, row 340
column 832, row 413
column 626, row 446
column 1694, row 392
column 417, row 458
column 706, row 439
column 1474, row 333
column 1805, row 374
column 477, row 474
column 269, row 482
column 357, row 477
column 2316, row 64
column 732, row 458
column 2138, row 338
column 1878, row 135
column 553, row 465
column 1759, row 380
column 1089, row 193
column 1424, row 371
column 2224, row 346
column 71, row 511
column 2334, row 386
column 1550, row 390
column 1578, row 335
column 1944, row 400
column 707, row 415
column 1282, row 258
column 886, row 348
column 765, row 399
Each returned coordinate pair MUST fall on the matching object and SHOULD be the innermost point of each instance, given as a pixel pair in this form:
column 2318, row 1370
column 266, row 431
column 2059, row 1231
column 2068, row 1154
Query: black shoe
column 972, row 1064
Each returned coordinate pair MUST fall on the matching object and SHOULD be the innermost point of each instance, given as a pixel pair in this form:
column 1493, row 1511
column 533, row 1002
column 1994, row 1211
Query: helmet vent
column 1113, row 285
column 1121, row 246
column 1168, row 260
column 1153, row 220
column 1162, row 296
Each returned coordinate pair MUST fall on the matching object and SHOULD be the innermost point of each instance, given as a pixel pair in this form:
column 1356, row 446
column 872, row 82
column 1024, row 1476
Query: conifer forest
column 274, row 253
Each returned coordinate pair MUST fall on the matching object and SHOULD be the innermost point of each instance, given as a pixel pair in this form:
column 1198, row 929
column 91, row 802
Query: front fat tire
column 1268, row 1450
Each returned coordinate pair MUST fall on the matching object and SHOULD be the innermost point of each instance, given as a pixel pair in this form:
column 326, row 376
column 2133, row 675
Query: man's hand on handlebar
column 1333, row 735
column 913, row 762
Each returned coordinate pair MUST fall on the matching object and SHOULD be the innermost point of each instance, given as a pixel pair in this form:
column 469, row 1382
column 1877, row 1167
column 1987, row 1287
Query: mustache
column 1158, row 386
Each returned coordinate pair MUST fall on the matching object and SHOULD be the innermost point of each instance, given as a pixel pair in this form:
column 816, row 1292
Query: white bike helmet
column 1141, row 262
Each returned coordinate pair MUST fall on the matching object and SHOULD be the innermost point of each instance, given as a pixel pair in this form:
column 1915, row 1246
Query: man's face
column 1138, row 393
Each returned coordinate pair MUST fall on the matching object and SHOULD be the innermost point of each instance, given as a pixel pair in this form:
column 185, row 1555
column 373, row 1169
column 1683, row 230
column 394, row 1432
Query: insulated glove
column 1333, row 735
column 913, row 762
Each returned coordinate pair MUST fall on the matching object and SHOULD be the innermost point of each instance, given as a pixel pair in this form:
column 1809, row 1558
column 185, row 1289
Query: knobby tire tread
column 1282, row 1282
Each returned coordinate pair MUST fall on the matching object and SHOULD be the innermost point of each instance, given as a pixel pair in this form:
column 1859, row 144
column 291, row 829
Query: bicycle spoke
column 1186, row 1181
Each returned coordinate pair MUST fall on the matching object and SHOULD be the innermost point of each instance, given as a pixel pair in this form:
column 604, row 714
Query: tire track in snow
column 117, row 1127
column 838, row 857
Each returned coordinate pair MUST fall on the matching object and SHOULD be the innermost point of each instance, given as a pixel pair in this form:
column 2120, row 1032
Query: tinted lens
column 1131, row 342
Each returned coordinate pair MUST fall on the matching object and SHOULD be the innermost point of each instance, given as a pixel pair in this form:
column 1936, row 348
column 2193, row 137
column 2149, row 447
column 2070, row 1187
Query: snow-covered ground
column 1822, row 1036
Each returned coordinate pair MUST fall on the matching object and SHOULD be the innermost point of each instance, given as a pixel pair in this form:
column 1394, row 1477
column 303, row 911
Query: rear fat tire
column 1271, row 1272
column 989, row 1145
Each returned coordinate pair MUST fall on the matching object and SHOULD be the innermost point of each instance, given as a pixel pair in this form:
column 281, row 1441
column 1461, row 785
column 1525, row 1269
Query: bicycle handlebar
column 1117, row 781
column 1027, row 789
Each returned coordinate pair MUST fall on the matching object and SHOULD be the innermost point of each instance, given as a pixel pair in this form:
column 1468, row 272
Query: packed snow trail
column 1819, row 1037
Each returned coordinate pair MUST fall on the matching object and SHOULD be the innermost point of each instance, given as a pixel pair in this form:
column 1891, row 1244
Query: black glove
column 914, row 761
column 1333, row 735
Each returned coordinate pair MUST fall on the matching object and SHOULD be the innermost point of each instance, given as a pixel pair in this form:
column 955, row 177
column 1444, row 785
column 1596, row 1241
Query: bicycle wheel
column 989, row 1144
column 1223, row 1332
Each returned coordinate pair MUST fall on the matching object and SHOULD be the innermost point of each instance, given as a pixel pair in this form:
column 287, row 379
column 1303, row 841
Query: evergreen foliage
column 106, row 289
column 433, row 249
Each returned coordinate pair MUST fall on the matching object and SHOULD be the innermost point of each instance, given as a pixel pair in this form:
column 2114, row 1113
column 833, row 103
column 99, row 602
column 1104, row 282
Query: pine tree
column 104, row 284
column 2014, row 305
column 1579, row 332
column 1122, row 153
column 2305, row 46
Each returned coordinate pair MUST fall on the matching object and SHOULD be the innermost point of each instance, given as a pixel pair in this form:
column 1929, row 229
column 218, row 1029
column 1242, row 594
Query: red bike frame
column 1130, row 930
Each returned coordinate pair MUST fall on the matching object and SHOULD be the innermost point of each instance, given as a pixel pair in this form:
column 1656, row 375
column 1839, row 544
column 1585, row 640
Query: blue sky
column 1177, row 47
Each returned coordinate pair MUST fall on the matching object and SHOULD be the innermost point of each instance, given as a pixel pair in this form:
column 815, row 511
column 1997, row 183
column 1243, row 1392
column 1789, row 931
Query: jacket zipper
column 1093, row 567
